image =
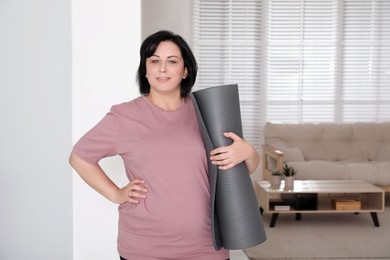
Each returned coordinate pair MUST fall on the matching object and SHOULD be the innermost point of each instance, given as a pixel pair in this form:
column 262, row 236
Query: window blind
column 301, row 56
column 297, row 60
column 227, row 45
column 366, row 61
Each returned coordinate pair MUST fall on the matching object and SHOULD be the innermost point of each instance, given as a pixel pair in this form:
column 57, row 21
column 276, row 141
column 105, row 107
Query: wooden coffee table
column 320, row 196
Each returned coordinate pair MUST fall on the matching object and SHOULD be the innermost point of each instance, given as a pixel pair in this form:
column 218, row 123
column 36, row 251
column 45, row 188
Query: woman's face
column 165, row 69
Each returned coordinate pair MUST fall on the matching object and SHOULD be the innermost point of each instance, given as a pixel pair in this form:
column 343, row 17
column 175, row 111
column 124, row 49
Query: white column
column 105, row 55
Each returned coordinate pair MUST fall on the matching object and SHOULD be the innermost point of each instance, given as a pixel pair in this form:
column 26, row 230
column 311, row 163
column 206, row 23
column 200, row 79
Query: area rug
column 325, row 236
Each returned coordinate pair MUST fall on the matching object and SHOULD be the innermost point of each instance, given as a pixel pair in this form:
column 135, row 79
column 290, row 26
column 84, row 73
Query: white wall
column 173, row 15
column 35, row 132
column 105, row 41
column 37, row 214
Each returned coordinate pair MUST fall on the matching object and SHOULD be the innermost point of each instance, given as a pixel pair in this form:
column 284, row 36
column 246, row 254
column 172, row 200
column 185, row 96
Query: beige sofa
column 329, row 151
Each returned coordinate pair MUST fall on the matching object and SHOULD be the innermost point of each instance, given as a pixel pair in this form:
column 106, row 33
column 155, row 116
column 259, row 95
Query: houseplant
column 276, row 178
column 289, row 173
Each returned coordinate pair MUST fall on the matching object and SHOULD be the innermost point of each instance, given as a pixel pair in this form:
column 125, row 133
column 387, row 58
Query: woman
column 164, row 210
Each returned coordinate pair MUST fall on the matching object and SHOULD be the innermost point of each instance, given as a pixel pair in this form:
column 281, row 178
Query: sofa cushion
column 375, row 173
column 292, row 154
column 383, row 177
column 362, row 171
column 332, row 142
column 383, row 152
column 319, row 170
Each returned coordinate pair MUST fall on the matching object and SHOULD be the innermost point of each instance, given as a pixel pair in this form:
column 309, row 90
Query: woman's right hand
column 132, row 192
column 95, row 177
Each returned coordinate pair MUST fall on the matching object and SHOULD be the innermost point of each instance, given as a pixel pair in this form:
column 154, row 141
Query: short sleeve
column 99, row 142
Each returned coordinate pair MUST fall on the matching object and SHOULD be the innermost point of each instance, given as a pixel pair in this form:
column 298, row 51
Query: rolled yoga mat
column 235, row 215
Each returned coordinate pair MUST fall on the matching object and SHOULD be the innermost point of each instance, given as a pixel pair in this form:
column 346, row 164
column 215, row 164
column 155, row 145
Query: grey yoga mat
column 235, row 215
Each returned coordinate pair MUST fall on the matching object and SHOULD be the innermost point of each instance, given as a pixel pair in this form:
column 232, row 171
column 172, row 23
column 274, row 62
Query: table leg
column 374, row 217
column 261, row 210
column 273, row 219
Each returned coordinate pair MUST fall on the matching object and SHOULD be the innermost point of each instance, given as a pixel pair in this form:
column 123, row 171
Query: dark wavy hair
column 149, row 47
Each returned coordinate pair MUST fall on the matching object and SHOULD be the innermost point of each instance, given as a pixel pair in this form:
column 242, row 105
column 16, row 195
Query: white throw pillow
column 292, row 155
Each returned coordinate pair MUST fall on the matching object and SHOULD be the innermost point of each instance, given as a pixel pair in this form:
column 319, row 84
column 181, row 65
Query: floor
column 240, row 255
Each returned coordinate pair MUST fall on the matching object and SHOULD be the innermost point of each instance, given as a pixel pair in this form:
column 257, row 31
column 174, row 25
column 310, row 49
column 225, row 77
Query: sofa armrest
column 270, row 152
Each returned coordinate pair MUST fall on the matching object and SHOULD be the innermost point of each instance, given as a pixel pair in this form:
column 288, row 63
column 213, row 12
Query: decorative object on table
column 276, row 178
column 235, row 216
column 289, row 173
column 346, row 204
column 301, row 201
column 279, row 205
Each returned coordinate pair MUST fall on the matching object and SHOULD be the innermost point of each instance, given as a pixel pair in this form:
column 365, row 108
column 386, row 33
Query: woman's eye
column 172, row 62
column 155, row 61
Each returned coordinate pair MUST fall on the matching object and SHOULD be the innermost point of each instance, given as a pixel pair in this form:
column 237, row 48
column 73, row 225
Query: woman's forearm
column 94, row 176
column 239, row 151
column 253, row 161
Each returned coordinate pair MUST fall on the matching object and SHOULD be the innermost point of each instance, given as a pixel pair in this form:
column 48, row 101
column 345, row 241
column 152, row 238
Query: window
column 297, row 60
column 227, row 45
column 301, row 47
column 365, row 64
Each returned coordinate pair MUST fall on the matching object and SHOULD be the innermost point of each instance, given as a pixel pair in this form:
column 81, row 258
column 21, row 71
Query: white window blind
column 366, row 61
column 227, row 45
column 301, row 60
column 297, row 60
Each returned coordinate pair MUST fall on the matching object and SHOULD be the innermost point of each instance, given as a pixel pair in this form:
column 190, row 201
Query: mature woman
column 164, row 210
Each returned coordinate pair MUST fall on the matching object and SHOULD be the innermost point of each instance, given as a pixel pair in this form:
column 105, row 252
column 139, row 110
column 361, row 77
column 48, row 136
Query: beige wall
column 173, row 15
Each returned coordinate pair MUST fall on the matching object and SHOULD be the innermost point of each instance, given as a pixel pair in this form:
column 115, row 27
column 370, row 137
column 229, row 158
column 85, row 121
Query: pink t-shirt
column 166, row 150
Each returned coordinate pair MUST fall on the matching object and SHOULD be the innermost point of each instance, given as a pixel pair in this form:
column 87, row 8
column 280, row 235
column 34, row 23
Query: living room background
column 297, row 61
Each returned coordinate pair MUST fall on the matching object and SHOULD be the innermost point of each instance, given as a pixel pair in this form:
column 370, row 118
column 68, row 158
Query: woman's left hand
column 227, row 157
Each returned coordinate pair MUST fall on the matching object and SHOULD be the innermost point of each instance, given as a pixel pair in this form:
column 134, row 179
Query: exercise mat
column 235, row 215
